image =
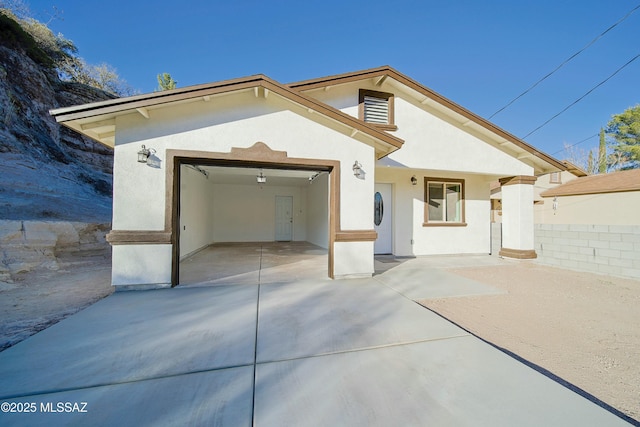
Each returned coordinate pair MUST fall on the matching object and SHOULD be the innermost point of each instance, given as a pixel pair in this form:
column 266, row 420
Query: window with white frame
column 444, row 200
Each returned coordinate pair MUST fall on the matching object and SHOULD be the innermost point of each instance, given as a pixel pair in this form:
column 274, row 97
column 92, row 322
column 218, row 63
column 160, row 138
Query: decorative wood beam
column 380, row 80
column 143, row 111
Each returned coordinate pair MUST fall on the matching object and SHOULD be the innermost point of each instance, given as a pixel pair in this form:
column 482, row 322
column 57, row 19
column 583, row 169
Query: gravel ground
column 581, row 327
column 39, row 299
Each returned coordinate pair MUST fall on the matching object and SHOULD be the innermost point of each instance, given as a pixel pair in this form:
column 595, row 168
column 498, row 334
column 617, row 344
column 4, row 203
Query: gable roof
column 97, row 120
column 427, row 96
column 597, row 184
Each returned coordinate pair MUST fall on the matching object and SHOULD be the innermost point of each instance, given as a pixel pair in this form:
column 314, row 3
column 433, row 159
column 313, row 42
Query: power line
column 567, row 60
column 582, row 97
column 573, row 145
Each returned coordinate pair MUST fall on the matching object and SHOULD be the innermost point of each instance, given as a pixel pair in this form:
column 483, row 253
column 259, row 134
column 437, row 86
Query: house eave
column 81, row 118
column 540, row 161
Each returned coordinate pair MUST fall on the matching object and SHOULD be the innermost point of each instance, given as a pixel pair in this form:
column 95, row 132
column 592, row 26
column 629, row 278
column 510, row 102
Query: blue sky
column 480, row 54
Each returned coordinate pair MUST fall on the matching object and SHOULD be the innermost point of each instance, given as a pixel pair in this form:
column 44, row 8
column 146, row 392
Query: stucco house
column 363, row 163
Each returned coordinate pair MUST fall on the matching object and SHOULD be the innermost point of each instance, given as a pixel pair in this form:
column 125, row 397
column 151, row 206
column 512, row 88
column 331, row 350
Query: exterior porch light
column 414, row 180
column 357, row 170
column 261, row 178
column 144, row 154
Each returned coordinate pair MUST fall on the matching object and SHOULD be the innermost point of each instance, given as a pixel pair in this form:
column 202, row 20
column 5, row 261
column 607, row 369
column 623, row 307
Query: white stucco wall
column 196, row 217
column 246, row 213
column 201, row 126
column 318, row 211
column 435, row 142
column 437, row 145
column 216, row 126
column 517, row 201
column 432, row 140
column 141, row 265
column 411, row 238
column 599, row 209
column 349, row 262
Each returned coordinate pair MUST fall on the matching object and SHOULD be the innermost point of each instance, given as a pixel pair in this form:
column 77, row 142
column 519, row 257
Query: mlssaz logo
column 63, row 407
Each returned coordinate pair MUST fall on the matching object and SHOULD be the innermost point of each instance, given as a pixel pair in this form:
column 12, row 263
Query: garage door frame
column 257, row 156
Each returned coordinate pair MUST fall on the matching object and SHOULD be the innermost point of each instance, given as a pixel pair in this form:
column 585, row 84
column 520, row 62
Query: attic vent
column 377, row 108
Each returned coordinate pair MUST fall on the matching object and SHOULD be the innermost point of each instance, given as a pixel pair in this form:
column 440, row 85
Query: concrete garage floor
column 253, row 263
column 256, row 346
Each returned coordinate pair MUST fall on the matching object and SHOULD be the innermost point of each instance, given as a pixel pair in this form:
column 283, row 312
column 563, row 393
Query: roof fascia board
column 131, row 104
column 158, row 98
column 340, row 79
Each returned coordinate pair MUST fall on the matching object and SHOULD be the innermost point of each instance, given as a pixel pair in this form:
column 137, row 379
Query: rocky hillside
column 47, row 172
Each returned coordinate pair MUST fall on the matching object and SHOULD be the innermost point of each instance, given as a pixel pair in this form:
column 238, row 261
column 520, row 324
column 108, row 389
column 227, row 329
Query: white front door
column 382, row 219
column 284, row 218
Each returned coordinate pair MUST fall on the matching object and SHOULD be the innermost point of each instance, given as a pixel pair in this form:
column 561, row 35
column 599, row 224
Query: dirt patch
column 38, row 299
column 582, row 327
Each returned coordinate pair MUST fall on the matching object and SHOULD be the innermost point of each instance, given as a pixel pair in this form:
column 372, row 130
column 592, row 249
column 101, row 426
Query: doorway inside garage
column 250, row 223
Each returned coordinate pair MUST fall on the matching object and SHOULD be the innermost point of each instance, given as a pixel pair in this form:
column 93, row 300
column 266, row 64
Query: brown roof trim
column 149, row 99
column 164, row 97
column 341, row 78
column 615, row 182
column 396, row 75
column 576, row 170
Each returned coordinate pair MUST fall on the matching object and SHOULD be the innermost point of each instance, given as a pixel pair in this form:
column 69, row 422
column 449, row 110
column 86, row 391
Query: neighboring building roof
column 97, row 120
column 426, row 96
column 595, row 184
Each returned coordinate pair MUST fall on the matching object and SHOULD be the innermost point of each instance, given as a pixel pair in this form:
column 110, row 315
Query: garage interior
column 246, row 225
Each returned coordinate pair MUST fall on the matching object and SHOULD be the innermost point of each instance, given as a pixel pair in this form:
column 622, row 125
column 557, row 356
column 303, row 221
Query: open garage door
column 231, row 217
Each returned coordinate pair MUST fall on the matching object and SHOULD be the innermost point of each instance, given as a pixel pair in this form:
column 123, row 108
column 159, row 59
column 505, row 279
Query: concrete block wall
column 606, row 249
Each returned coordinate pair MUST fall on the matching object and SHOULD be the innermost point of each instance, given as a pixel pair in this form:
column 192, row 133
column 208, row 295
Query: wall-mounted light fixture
column 261, row 179
column 357, row 170
column 414, row 180
column 144, row 154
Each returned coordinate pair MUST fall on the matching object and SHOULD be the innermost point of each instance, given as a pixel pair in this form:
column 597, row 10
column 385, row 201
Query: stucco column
column 517, row 217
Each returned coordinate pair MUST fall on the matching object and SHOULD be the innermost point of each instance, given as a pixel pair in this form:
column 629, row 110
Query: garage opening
column 251, row 223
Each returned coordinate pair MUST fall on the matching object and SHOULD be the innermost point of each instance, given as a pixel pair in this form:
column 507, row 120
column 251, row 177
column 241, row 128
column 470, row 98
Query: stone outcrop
column 31, row 245
column 47, row 171
column 55, row 184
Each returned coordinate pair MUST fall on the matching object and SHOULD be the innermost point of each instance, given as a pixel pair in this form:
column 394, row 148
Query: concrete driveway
column 310, row 352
